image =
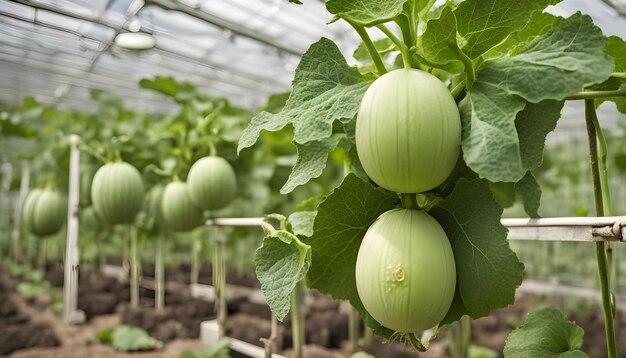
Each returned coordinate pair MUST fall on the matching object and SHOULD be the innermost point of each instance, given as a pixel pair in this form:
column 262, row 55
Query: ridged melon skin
column 50, row 213
column 28, row 209
column 117, row 193
column 177, row 210
column 212, row 183
column 408, row 131
column 405, row 271
column 44, row 212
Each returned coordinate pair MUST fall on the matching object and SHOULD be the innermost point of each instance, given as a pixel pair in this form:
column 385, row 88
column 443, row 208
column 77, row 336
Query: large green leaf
column 533, row 125
column 553, row 66
column 302, row 222
column 312, row 157
column 546, row 333
column 365, row 12
column 488, row 271
column 530, row 192
column 324, row 89
column 439, row 34
column 281, row 262
column 483, row 24
column 539, row 24
column 616, row 49
column 340, row 224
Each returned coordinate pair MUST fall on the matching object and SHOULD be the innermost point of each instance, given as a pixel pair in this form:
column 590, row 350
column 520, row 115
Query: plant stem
column 406, row 58
column 297, row 320
column 415, row 343
column 409, row 201
column 353, row 329
column 378, row 62
column 600, row 247
column 405, row 27
column 159, row 276
column 457, row 90
column 602, row 167
column 134, row 268
column 268, row 343
column 467, row 62
column 597, row 94
column 428, row 62
column 219, row 281
column 212, row 148
column 195, row 260
column 604, row 182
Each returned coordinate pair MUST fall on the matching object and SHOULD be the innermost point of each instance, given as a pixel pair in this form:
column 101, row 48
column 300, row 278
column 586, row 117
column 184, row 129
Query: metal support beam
column 610, row 228
column 235, row 222
column 219, row 22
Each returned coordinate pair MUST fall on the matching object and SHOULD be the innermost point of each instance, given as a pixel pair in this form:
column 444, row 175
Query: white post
column 70, row 283
column 24, row 188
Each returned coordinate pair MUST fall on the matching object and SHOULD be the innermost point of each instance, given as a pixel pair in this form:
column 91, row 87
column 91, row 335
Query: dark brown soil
column 326, row 322
column 17, row 329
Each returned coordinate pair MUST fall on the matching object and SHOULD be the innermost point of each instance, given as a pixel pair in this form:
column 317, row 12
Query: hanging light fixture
column 137, row 41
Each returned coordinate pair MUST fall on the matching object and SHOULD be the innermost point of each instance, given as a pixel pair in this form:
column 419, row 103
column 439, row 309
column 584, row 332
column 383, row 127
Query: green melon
column 177, row 209
column 28, row 209
column 408, row 131
column 44, row 212
column 212, row 183
column 117, row 193
column 405, row 271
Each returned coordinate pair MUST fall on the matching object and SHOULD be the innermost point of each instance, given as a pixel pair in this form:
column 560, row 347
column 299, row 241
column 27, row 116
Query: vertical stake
column 70, row 282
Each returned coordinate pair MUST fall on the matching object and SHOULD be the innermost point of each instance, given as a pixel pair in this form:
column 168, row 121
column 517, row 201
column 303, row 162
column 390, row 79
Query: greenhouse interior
column 312, row 178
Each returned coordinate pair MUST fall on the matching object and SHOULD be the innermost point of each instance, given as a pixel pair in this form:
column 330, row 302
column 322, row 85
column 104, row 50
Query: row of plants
column 444, row 124
column 439, row 128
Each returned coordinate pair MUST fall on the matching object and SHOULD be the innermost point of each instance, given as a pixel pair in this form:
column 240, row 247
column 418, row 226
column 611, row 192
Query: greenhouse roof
column 245, row 50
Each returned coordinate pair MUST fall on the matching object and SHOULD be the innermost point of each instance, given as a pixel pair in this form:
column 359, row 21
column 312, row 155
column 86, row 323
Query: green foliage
column 312, row 158
column 481, row 352
column 480, row 33
column 542, row 70
column 383, row 47
column 340, row 224
column 616, row 49
column 365, row 12
column 545, row 333
column 325, row 89
column 488, row 272
column 219, row 349
column 529, row 190
column 33, row 284
column 281, row 262
column 128, row 339
column 361, row 355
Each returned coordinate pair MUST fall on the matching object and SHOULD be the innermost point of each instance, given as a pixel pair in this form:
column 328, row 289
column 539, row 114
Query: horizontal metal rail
column 235, row 222
column 610, row 228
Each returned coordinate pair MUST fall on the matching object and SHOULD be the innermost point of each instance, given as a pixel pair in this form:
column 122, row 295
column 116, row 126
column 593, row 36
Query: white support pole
column 589, row 229
column 235, row 222
column 70, row 283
